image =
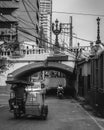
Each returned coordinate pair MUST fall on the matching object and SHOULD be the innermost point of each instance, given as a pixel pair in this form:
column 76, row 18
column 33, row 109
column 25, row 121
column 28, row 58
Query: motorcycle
column 60, row 92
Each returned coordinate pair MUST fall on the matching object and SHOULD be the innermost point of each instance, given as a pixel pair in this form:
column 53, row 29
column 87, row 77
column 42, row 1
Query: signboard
column 57, row 58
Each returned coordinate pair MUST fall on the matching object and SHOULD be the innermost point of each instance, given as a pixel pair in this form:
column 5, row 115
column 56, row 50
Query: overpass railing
column 35, row 54
column 23, row 52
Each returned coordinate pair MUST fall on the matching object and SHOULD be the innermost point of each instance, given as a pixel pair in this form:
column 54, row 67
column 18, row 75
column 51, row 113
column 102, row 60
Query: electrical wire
column 28, row 39
column 54, row 40
column 82, row 39
column 78, row 13
column 30, row 6
column 33, row 6
column 23, row 21
column 26, row 32
column 28, row 13
column 58, row 49
column 48, row 47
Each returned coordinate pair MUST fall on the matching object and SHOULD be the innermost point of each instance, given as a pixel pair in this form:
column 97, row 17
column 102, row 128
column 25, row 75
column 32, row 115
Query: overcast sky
column 85, row 26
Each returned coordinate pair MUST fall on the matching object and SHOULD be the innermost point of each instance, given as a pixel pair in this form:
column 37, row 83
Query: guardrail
column 22, row 53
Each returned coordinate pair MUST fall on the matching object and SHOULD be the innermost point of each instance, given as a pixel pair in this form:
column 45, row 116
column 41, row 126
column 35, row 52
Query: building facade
column 19, row 20
column 28, row 17
column 46, row 17
column 90, row 79
column 7, row 22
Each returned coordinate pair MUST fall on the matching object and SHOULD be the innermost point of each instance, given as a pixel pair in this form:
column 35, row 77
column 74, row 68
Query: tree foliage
column 4, row 64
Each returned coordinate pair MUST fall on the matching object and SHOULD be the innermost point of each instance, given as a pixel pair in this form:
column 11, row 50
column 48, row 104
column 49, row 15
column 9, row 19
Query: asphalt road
column 65, row 114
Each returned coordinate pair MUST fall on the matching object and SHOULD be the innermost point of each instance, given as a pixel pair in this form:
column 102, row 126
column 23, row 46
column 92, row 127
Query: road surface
column 65, row 114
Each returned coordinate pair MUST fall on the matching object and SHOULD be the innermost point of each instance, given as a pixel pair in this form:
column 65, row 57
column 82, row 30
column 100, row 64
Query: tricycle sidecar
column 35, row 103
column 27, row 100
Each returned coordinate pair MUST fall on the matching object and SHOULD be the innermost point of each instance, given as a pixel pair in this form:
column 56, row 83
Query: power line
column 30, row 6
column 33, row 6
column 28, row 33
column 78, row 13
column 24, row 31
column 28, row 13
column 65, row 35
column 28, row 39
column 22, row 20
column 49, row 47
column 83, row 39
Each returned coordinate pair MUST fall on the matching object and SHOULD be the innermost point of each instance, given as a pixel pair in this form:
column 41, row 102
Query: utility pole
column 71, row 33
column 16, row 31
column 16, row 46
column 65, row 33
column 51, row 24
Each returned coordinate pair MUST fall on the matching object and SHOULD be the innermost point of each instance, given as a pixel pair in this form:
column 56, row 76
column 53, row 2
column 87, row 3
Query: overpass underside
column 26, row 71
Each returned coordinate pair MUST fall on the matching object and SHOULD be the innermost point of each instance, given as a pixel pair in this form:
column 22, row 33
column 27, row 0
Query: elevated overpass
column 28, row 61
column 28, row 70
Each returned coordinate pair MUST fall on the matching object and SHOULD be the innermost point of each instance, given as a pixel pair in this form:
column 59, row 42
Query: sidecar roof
column 18, row 82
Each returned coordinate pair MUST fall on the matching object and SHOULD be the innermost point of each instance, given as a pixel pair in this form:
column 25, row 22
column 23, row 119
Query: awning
column 9, row 18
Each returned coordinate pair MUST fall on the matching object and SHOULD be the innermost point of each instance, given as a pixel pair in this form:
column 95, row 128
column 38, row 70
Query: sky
column 84, row 26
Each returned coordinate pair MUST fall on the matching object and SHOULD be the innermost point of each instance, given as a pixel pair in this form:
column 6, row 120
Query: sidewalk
column 84, row 104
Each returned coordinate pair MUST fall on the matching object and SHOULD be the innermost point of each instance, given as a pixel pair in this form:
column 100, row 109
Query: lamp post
column 98, row 31
column 98, row 41
column 56, row 30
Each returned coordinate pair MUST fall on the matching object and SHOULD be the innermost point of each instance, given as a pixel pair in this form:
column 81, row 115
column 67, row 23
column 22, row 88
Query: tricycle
column 27, row 99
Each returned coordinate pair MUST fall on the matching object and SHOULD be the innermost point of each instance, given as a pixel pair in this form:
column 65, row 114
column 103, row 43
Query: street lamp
column 98, row 31
column 56, row 30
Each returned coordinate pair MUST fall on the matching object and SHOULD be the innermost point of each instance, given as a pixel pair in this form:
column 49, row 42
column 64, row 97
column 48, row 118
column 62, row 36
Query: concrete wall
column 3, row 76
column 54, row 82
